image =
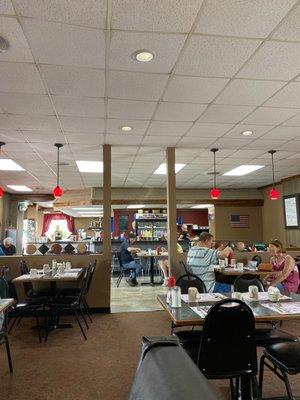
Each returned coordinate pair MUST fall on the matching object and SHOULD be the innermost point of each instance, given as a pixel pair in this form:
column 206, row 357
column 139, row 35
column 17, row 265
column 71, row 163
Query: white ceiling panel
column 6, row 7
column 232, row 143
column 269, row 116
column 36, row 122
column 283, row 133
column 293, row 145
column 44, row 137
column 73, row 81
column 290, row 28
column 83, row 47
column 123, row 139
column 247, row 18
column 20, row 78
column 23, row 103
column 138, row 127
column 19, row 49
column 274, row 60
column 191, row 141
column 168, row 111
column 79, row 124
column 154, row 15
column 86, row 138
column 210, row 50
column 248, row 92
column 258, row 130
column 209, row 130
column 133, row 86
column 79, row 106
column 131, row 109
column 225, row 114
column 163, row 141
column 289, row 96
column 267, row 145
column 295, row 121
column 10, row 136
column 166, row 49
column 163, row 128
column 194, row 89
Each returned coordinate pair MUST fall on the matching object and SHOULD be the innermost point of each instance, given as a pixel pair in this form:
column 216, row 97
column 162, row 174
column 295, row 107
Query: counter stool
column 284, row 359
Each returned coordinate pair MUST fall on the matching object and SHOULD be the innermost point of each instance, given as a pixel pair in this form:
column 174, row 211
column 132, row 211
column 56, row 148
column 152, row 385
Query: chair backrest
column 189, row 280
column 258, row 259
column 120, row 260
column 228, row 347
column 23, row 267
column 243, row 282
column 90, row 277
column 28, row 287
column 183, row 266
column 4, row 289
column 84, row 282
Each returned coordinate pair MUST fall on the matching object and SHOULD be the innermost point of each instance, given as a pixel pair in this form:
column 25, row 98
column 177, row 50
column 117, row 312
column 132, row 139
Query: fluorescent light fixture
column 136, row 206
column 202, row 206
column 143, row 55
column 162, row 169
column 90, row 166
column 91, row 212
column 247, row 133
column 20, row 188
column 243, row 170
column 9, row 165
column 86, row 209
column 126, row 128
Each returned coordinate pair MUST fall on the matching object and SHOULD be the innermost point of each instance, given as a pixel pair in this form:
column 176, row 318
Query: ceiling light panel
column 162, row 169
column 19, row 188
column 9, row 165
column 136, row 206
column 90, row 166
column 243, row 170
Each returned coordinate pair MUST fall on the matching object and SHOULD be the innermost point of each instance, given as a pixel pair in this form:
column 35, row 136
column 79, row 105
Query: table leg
column 151, row 283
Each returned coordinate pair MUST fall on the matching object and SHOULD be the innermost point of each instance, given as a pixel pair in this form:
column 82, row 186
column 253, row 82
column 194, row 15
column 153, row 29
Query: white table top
column 69, row 275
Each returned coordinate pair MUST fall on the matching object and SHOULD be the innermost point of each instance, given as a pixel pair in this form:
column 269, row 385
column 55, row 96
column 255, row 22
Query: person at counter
column 126, row 252
column 7, row 247
column 201, row 259
column 184, row 235
column 57, row 234
column 285, row 275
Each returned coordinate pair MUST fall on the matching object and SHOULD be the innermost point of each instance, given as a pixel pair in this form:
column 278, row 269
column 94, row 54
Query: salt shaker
column 176, row 297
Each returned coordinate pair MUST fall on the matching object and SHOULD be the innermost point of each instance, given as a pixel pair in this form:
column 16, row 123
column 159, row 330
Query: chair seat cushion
column 32, row 302
column 286, row 356
column 64, row 301
column 266, row 337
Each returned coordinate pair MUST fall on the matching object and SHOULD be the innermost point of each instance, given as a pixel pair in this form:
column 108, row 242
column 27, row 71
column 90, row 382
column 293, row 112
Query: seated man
column 128, row 261
column 201, row 259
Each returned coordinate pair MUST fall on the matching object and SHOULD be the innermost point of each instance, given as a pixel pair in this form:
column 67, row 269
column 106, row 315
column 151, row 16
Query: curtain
column 50, row 217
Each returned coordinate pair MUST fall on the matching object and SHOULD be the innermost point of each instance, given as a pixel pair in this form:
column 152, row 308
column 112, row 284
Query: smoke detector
column 4, row 45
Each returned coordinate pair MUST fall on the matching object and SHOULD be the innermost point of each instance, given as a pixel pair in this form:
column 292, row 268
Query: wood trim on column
column 171, row 210
column 106, row 210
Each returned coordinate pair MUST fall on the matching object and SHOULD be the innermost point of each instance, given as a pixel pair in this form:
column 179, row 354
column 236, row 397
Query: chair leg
column 83, row 317
column 79, row 323
column 261, row 373
column 38, row 326
column 12, row 325
column 87, row 309
column 19, row 320
column 8, row 354
column 287, row 386
column 255, row 388
column 120, row 278
column 232, row 390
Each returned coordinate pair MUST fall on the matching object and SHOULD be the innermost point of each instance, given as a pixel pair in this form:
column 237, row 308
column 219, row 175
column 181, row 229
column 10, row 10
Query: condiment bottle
column 171, row 284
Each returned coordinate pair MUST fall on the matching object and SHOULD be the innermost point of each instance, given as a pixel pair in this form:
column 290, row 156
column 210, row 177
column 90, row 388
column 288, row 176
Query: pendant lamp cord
column 215, row 177
column 57, row 176
column 273, row 173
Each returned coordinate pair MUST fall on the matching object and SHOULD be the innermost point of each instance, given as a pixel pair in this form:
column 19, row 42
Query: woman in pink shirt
column 285, row 273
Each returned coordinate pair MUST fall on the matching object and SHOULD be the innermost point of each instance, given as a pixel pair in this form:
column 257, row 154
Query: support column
column 106, row 265
column 171, row 209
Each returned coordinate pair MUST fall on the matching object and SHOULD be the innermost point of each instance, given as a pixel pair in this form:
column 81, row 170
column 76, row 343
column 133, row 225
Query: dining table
column 5, row 304
column 229, row 274
column 152, row 257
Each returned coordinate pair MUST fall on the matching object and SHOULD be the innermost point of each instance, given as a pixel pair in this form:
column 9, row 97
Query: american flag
column 239, row 221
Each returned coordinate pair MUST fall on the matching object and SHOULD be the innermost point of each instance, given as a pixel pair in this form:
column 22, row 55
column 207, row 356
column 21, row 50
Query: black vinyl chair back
column 228, row 347
column 23, row 268
column 4, row 289
column 6, row 274
column 28, row 287
column 189, row 280
column 120, row 261
column 243, row 282
column 90, row 276
column 258, row 259
column 183, row 266
column 84, row 283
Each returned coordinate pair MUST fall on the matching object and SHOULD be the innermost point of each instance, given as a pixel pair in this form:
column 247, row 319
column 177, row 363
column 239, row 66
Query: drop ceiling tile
column 74, row 81
column 139, row 127
column 79, row 106
column 294, row 145
column 10, row 135
column 258, row 131
column 210, row 50
column 23, row 103
column 124, row 150
column 283, row 133
column 289, row 96
column 267, row 145
column 36, row 122
column 274, row 60
column 18, row 47
column 163, row 141
column 232, row 143
column 165, row 47
column 178, row 111
column 155, row 15
column 209, row 130
column 246, row 154
column 86, row 13
column 44, row 137
column 136, row 86
column 290, row 28
column 7, row 123
column 295, row 121
column 250, row 18
column 120, row 139
column 95, row 151
column 163, row 128
column 269, row 116
column 87, row 137
column 6, row 7
column 193, row 89
column 190, row 141
column 225, row 114
column 80, row 124
column 83, row 47
column 131, row 109
column 248, row 92
column 20, row 78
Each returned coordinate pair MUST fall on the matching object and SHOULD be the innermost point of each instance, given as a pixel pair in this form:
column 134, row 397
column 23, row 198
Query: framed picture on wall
column 291, row 211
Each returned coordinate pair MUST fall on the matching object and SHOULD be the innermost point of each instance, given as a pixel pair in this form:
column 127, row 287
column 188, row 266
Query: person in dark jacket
column 7, row 247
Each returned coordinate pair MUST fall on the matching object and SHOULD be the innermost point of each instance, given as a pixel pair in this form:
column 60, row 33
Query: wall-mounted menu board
column 291, row 211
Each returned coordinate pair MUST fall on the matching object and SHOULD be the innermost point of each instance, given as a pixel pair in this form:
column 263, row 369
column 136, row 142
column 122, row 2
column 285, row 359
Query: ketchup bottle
column 171, row 283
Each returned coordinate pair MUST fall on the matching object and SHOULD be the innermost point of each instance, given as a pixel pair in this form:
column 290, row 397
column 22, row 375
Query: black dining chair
column 190, row 280
column 242, row 283
column 122, row 270
column 258, row 259
column 4, row 292
column 28, row 286
column 228, row 348
column 283, row 359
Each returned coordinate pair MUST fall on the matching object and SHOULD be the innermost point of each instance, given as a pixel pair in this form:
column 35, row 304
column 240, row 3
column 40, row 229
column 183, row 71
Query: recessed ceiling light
column 20, row 188
column 247, row 133
column 136, row 206
column 243, row 170
column 126, row 128
column 202, row 206
column 9, row 165
column 143, row 55
column 90, row 166
column 162, row 169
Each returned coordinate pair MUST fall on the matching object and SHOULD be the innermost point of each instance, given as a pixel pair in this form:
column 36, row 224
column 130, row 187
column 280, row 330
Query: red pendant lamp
column 57, row 191
column 215, row 192
column 1, row 188
column 273, row 193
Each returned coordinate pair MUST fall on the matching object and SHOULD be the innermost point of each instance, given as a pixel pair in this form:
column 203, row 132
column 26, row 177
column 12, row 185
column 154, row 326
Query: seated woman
column 164, row 265
column 285, row 275
column 7, row 247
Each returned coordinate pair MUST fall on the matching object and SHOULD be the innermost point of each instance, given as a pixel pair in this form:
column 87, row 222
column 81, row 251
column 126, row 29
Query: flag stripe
column 239, row 221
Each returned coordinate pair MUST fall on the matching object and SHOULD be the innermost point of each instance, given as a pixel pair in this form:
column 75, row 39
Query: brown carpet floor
column 67, row 368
